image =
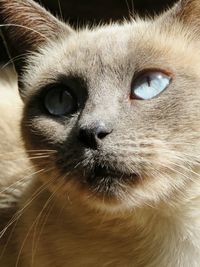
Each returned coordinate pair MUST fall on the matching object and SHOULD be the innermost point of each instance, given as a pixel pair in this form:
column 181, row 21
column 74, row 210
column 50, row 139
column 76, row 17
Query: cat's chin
column 105, row 182
column 100, row 198
column 103, row 188
column 117, row 202
column 108, row 190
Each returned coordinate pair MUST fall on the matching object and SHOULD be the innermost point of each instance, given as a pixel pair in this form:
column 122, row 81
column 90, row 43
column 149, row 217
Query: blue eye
column 59, row 101
column 149, row 85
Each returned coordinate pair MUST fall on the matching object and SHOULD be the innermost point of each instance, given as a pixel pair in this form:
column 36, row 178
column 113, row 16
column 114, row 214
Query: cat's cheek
column 45, row 134
column 155, row 191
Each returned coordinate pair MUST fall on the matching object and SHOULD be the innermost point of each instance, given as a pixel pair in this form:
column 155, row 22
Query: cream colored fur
column 13, row 161
column 161, row 235
column 155, row 223
column 152, row 237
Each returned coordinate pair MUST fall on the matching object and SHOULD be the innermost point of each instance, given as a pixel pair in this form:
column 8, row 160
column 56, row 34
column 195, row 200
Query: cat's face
column 119, row 105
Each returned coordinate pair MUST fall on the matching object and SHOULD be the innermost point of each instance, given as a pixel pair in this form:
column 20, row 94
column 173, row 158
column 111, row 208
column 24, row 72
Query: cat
column 111, row 125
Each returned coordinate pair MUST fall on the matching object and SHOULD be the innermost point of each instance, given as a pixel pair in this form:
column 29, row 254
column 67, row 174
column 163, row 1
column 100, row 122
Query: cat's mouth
column 105, row 179
column 103, row 171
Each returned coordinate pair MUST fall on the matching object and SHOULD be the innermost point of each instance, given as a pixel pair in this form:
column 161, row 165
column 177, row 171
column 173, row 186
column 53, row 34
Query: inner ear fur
column 26, row 26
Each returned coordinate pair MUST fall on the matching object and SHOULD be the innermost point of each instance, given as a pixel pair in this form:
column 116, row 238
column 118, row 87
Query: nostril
column 87, row 138
column 101, row 135
column 102, row 132
column 91, row 136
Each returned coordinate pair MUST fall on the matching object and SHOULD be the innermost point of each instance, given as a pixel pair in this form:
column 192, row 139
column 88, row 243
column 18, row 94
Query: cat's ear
column 185, row 11
column 26, row 26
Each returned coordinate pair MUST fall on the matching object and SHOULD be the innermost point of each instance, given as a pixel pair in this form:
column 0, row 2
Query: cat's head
column 119, row 105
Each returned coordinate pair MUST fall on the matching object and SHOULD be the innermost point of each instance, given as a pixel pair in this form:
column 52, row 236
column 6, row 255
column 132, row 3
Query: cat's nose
column 91, row 136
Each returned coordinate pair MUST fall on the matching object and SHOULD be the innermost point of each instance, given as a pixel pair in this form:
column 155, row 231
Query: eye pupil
column 61, row 97
column 59, row 101
column 148, row 81
column 149, row 85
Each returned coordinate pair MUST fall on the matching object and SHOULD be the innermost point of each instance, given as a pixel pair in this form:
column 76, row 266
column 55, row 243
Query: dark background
column 79, row 13
column 103, row 10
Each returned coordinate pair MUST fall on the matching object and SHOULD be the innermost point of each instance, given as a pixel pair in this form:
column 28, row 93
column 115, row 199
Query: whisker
column 13, row 59
column 132, row 7
column 176, row 171
column 18, row 214
column 19, row 181
column 33, row 224
column 29, row 151
column 18, row 159
column 60, row 10
column 24, row 27
column 38, row 219
column 128, row 7
column 8, row 240
column 186, row 169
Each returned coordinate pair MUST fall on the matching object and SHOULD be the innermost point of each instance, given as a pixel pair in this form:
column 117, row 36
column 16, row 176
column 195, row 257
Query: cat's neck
column 158, row 234
column 181, row 212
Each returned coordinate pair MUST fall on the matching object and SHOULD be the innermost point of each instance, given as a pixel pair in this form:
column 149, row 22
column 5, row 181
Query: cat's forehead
column 111, row 49
column 105, row 43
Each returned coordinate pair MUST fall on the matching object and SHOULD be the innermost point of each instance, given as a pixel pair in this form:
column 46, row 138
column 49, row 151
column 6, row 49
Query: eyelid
column 146, row 70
